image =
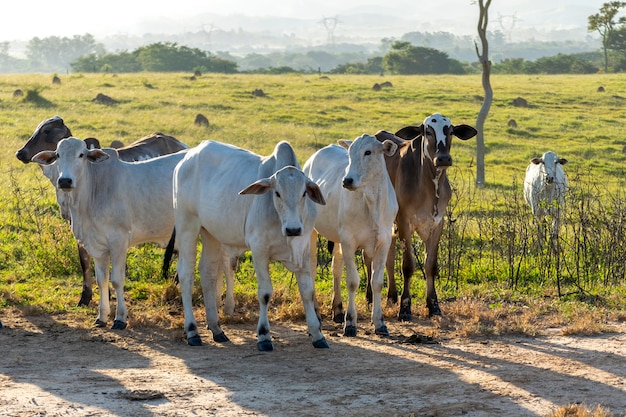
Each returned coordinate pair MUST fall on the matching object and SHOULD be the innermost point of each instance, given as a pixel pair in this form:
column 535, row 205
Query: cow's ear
column 536, row 161
column 464, row 132
column 92, row 143
column 259, row 187
column 314, row 193
column 344, row 143
column 45, row 157
column 96, row 155
column 389, row 148
column 383, row 135
column 562, row 161
column 410, row 132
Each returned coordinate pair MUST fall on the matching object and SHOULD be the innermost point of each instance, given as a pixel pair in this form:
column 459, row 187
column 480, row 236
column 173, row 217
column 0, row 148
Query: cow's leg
column 390, row 264
column 211, row 264
column 85, row 265
column 352, row 283
column 187, row 231
column 118, row 276
column 408, row 268
column 431, row 270
column 102, row 277
column 378, row 276
column 230, row 266
column 313, row 265
column 337, row 267
column 264, row 294
column 307, row 294
column 392, row 291
column 367, row 260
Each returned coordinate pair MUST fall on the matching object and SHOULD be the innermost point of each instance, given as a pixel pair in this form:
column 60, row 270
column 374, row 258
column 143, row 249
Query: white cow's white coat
column 113, row 205
column 545, row 186
column 360, row 209
column 275, row 222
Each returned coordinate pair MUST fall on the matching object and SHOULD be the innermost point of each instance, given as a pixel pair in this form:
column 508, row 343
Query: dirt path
column 53, row 368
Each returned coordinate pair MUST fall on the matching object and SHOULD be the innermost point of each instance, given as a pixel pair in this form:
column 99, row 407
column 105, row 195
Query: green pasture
column 489, row 250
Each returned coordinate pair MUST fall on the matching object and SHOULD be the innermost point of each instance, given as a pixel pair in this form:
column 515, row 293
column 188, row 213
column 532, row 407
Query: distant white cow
column 360, row 209
column 545, row 186
column 113, row 205
column 274, row 219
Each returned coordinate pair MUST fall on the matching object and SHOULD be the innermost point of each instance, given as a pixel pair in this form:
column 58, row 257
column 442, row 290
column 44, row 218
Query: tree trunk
column 483, row 58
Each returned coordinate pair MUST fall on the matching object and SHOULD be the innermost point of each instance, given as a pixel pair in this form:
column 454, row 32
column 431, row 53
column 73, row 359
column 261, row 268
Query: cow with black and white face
column 418, row 173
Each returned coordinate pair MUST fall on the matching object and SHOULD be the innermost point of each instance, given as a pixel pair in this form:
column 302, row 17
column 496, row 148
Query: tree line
column 83, row 54
column 404, row 57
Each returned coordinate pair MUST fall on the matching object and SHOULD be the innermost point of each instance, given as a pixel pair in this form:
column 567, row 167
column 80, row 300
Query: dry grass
column 581, row 410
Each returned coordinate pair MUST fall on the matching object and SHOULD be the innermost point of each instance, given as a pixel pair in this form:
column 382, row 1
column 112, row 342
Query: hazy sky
column 23, row 20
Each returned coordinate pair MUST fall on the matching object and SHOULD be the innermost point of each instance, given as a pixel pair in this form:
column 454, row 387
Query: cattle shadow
column 353, row 377
column 366, row 375
column 70, row 366
column 610, row 362
column 537, row 378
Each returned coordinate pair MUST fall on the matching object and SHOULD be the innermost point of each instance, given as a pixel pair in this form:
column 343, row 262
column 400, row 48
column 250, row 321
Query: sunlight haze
column 66, row 18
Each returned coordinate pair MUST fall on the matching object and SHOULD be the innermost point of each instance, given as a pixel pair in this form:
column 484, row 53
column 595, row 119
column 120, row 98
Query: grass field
column 494, row 276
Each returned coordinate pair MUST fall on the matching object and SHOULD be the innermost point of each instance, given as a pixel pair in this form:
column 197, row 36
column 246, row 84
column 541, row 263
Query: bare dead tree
column 483, row 58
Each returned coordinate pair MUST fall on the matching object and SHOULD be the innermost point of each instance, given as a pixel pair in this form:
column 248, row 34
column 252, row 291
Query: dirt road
column 51, row 367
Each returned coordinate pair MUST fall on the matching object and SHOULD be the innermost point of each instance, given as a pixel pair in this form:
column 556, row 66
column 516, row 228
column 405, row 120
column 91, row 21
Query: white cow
column 113, row 205
column 360, row 209
column 545, row 186
column 274, row 219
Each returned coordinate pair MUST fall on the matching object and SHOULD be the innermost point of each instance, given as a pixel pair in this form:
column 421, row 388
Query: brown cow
column 418, row 174
column 46, row 137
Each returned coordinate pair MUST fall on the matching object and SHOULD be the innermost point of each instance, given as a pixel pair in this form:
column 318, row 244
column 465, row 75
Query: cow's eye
column 304, row 194
column 277, row 194
column 81, row 155
column 368, row 153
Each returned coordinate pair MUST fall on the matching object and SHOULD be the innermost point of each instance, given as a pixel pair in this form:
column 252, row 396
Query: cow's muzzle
column 348, row 183
column 23, row 156
column 443, row 161
column 65, row 183
column 293, row 231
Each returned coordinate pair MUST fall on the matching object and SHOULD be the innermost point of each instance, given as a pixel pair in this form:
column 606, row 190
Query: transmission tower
column 507, row 23
column 330, row 23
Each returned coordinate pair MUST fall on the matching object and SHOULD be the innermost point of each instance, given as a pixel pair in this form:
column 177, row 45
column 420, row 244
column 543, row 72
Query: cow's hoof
column 349, row 331
column 321, row 344
column 338, row 318
column 194, row 340
column 382, row 331
column 265, row 346
column 99, row 323
column 1, row 325
column 434, row 311
column 85, row 298
column 118, row 325
column 83, row 302
column 405, row 315
column 220, row 338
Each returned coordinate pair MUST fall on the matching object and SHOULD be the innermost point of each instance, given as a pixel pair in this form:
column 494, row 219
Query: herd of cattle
column 359, row 195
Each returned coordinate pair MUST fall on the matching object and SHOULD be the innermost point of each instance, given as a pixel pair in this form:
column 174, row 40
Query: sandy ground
column 51, row 367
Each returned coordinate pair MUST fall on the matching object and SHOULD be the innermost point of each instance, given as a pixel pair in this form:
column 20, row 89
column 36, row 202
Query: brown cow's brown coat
column 423, row 192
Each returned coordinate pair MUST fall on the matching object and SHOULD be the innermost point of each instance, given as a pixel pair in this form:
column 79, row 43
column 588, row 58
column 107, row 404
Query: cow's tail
column 167, row 257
